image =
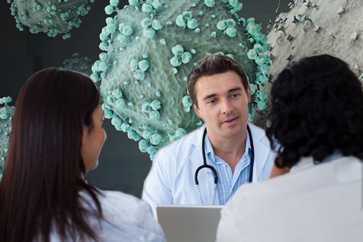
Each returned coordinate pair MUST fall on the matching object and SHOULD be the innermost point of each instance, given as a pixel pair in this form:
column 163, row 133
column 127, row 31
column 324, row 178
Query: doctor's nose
column 226, row 107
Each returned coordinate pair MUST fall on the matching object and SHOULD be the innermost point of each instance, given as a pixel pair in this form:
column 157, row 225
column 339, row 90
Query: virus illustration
column 149, row 48
column 52, row 17
column 314, row 27
column 6, row 113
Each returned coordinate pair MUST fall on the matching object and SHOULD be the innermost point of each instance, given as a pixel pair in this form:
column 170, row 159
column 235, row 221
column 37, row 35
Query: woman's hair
column 316, row 110
column 44, row 171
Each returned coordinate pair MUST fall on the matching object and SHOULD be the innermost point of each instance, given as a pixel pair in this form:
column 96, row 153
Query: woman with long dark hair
column 56, row 137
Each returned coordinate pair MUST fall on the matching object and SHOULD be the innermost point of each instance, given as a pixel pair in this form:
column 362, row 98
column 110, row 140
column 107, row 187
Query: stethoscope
column 205, row 165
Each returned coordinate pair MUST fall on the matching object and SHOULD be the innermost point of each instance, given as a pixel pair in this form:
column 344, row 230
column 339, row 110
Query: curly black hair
column 316, row 110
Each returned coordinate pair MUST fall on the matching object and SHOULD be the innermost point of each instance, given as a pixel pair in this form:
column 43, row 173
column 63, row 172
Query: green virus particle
column 318, row 27
column 149, row 48
column 6, row 113
column 52, row 17
column 78, row 63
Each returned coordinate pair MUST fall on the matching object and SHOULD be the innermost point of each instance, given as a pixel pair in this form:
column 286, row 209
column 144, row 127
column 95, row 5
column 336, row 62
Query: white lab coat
column 171, row 178
column 126, row 219
column 312, row 203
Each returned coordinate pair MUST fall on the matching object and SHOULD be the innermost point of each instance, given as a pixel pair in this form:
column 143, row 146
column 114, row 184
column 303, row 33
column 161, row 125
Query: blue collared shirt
column 228, row 182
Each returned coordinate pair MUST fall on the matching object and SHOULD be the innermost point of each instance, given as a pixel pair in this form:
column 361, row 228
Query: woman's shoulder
column 116, row 197
column 114, row 203
column 127, row 215
column 119, row 202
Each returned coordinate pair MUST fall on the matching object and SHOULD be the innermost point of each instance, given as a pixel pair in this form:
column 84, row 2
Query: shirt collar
column 210, row 155
column 308, row 162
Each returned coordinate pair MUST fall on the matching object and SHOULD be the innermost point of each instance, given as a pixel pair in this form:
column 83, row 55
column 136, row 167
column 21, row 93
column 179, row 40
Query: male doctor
column 236, row 152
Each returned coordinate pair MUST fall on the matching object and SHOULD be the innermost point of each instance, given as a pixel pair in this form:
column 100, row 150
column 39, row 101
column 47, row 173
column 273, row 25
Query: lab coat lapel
column 207, row 189
column 262, row 150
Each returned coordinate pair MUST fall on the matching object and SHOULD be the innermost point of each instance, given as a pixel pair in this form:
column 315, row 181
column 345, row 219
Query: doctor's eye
column 211, row 101
column 235, row 95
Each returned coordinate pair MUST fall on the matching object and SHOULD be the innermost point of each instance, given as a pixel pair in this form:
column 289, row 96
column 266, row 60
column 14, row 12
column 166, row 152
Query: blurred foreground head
column 317, row 109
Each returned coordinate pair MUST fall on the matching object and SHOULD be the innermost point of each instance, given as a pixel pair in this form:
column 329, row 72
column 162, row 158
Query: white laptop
column 189, row 223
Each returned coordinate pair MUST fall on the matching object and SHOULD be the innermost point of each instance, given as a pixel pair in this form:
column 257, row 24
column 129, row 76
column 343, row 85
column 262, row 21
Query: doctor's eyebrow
column 233, row 90
column 237, row 89
column 210, row 96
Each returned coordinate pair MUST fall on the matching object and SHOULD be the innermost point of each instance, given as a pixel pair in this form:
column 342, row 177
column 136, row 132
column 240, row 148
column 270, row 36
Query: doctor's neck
column 229, row 148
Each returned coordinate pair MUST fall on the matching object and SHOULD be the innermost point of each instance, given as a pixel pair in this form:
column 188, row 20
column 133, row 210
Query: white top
column 126, row 219
column 171, row 178
column 320, row 203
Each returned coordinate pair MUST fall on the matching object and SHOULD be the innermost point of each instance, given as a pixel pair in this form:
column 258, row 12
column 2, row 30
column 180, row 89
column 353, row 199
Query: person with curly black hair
column 316, row 128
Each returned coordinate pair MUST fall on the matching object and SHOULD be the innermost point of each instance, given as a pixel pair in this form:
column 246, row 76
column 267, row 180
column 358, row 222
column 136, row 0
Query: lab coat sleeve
column 157, row 186
column 266, row 171
column 227, row 230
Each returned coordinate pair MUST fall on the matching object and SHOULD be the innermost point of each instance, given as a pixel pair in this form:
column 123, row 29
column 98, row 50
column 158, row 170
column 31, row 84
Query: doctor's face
column 222, row 103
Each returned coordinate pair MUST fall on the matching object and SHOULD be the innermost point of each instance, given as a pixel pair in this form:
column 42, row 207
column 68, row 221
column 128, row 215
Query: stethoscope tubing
column 214, row 171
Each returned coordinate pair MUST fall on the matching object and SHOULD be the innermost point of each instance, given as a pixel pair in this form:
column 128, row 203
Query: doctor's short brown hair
column 211, row 65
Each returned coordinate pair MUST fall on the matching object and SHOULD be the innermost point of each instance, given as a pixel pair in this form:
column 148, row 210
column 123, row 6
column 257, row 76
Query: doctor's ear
column 196, row 110
column 249, row 95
